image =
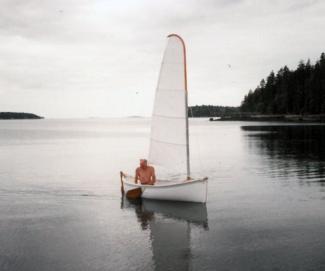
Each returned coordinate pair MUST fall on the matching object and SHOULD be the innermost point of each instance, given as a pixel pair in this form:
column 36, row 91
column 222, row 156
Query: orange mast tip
column 175, row 35
column 184, row 52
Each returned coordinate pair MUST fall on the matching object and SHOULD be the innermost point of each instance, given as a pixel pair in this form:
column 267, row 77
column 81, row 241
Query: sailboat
column 169, row 150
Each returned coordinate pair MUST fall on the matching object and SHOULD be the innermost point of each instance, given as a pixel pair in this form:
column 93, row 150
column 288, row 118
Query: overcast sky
column 78, row 58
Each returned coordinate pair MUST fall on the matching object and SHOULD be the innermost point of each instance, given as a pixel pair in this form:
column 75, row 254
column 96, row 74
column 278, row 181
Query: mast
column 186, row 106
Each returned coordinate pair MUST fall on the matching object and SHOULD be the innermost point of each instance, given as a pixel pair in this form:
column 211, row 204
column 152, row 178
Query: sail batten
column 166, row 142
column 169, row 126
column 167, row 117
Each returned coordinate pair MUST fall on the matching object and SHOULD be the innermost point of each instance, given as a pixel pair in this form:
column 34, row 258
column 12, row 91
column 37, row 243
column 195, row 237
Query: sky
column 101, row 58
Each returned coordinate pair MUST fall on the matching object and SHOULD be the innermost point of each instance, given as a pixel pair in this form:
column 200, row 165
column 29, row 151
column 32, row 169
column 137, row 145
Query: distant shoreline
column 282, row 118
column 18, row 116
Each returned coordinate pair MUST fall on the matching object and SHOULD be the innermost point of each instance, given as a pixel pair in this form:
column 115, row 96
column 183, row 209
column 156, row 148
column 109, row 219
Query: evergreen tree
column 301, row 91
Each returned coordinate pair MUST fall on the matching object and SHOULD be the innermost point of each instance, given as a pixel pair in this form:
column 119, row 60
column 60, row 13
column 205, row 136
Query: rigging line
column 166, row 142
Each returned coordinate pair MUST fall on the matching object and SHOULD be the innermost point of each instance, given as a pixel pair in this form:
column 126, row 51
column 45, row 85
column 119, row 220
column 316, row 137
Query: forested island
column 18, row 115
column 291, row 92
column 198, row 111
column 288, row 95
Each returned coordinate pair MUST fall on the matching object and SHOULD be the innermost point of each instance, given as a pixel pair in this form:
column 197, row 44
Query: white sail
column 169, row 150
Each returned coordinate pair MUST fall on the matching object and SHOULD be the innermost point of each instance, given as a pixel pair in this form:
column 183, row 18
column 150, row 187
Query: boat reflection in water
column 170, row 225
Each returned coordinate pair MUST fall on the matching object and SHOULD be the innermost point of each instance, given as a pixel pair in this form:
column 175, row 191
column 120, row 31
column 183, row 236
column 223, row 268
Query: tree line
column 211, row 110
column 18, row 115
column 299, row 91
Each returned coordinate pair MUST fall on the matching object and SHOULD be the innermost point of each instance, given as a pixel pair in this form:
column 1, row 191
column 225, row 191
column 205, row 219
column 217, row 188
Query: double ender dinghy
column 169, row 140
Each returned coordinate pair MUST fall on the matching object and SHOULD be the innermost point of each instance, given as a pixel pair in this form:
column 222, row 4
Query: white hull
column 191, row 191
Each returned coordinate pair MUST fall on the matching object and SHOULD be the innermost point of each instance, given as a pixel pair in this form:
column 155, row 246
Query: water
column 61, row 209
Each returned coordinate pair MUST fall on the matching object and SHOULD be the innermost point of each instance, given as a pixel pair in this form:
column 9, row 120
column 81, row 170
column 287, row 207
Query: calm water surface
column 61, row 209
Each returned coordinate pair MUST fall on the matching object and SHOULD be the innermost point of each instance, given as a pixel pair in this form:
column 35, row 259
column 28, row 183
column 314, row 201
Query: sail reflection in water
column 170, row 225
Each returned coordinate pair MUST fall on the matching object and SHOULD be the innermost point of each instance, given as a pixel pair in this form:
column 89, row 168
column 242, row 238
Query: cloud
column 69, row 58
